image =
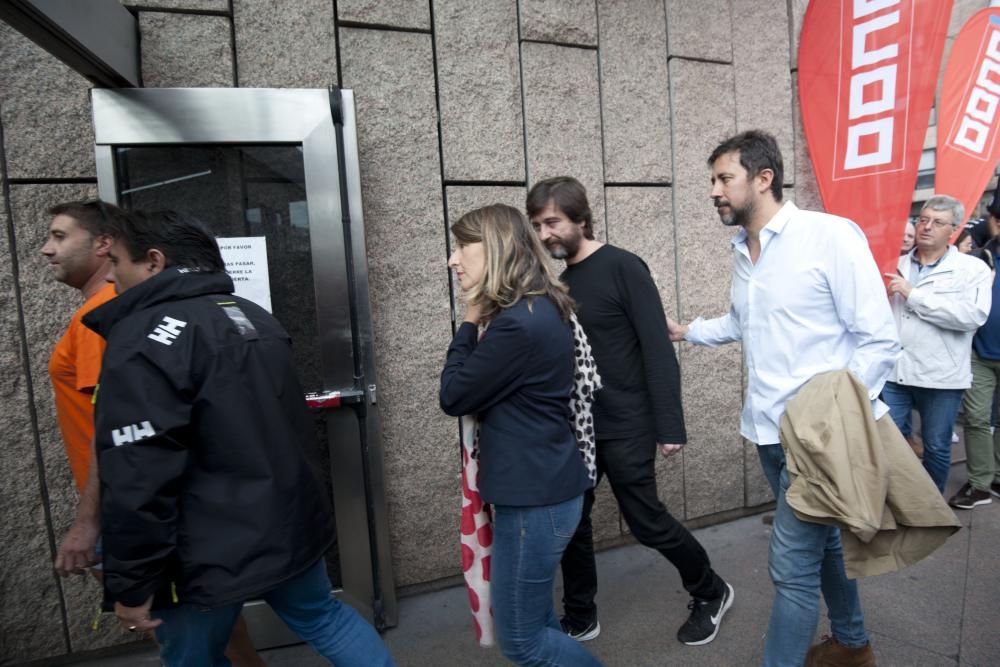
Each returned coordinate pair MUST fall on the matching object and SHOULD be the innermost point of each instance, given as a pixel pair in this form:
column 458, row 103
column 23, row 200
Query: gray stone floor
column 941, row 612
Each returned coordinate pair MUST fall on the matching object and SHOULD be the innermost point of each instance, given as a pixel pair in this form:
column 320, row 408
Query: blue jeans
column 528, row 543
column 192, row 636
column 803, row 559
column 938, row 410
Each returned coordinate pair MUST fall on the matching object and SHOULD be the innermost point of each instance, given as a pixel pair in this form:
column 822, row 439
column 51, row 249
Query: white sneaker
column 954, row 438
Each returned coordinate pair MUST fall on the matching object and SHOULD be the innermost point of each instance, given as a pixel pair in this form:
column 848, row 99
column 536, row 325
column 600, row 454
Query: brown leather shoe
column 828, row 653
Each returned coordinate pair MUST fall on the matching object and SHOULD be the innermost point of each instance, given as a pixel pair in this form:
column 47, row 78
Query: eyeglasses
column 936, row 224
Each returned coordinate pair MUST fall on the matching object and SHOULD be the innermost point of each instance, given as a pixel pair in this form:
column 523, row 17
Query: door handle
column 323, row 400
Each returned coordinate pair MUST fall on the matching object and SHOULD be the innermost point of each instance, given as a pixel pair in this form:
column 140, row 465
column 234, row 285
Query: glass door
column 276, row 171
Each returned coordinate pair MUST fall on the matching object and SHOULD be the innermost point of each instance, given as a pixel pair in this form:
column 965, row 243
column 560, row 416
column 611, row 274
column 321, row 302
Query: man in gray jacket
column 939, row 298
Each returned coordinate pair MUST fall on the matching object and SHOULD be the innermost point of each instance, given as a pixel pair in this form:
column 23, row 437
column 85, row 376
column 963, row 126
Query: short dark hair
column 758, row 151
column 182, row 239
column 90, row 214
column 568, row 194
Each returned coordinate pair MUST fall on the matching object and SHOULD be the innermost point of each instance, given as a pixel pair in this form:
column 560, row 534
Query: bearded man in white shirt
column 940, row 297
column 806, row 298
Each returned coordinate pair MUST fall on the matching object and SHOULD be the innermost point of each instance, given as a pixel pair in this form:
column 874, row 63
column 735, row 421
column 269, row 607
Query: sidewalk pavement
column 944, row 611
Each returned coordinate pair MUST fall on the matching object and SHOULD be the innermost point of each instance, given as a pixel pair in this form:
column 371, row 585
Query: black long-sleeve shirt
column 620, row 310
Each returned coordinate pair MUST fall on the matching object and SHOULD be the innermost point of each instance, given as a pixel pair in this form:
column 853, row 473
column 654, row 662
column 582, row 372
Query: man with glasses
column 939, row 298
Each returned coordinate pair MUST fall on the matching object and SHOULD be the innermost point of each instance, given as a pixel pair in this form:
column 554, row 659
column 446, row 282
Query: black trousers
column 629, row 466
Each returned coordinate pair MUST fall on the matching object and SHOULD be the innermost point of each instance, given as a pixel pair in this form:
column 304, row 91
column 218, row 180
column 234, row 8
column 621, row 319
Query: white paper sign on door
column 246, row 263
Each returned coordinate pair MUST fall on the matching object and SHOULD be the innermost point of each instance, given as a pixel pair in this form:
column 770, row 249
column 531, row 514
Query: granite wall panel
column 640, row 220
column 30, row 617
column 806, row 192
column 185, row 50
column 714, row 467
column 712, row 382
column 761, row 73
column 48, row 306
column 462, row 199
column 278, row 48
column 796, row 14
column 209, row 5
column 45, row 110
column 482, row 126
column 635, row 91
column 396, row 13
column 700, row 30
column 563, row 118
column 393, row 78
column 563, row 21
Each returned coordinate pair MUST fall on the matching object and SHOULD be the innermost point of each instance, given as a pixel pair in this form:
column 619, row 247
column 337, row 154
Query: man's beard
column 564, row 248
column 738, row 216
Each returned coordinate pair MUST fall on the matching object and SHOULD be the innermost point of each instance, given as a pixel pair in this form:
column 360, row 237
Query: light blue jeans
column 528, row 543
column 804, row 558
column 938, row 410
column 192, row 636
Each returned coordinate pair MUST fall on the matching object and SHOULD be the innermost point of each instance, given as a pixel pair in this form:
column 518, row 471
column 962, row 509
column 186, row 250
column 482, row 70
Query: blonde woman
column 518, row 376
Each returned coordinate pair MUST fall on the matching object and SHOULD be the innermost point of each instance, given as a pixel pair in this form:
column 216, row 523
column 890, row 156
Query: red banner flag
column 867, row 73
column 968, row 140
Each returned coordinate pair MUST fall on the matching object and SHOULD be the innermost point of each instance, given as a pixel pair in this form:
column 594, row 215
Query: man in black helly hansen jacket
column 203, row 438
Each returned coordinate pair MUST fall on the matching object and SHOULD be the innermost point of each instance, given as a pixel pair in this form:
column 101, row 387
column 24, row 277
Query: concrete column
column 392, row 74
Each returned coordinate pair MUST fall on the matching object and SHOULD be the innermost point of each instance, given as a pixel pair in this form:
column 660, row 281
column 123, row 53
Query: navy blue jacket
column 518, row 379
column 986, row 342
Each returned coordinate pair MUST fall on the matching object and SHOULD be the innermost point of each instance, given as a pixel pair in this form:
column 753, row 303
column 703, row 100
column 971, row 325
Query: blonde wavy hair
column 517, row 266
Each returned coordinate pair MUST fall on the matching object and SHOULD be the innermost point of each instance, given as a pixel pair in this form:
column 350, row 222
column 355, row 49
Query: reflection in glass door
column 243, row 191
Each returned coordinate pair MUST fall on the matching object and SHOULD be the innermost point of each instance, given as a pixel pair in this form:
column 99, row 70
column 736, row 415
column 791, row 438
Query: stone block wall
column 460, row 103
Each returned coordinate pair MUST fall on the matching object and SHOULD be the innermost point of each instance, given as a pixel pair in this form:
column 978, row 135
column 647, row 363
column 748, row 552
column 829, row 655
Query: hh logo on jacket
column 167, row 330
column 133, row 432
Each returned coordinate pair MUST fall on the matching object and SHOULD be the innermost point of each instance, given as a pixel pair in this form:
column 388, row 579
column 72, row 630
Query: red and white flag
column 476, row 537
column 867, row 73
column 968, row 141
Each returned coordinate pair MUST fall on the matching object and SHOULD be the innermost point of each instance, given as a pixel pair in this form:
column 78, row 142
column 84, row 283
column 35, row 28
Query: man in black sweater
column 637, row 412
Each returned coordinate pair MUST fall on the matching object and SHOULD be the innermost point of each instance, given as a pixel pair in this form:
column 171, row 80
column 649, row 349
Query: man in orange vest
column 78, row 255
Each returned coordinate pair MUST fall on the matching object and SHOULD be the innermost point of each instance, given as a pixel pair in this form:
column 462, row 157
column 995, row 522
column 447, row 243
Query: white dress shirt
column 814, row 302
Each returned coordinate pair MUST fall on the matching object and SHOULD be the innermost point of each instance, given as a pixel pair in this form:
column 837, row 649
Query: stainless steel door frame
column 350, row 172
column 182, row 116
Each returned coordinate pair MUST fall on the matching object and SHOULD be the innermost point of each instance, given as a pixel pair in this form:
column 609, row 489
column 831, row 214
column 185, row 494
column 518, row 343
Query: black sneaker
column 968, row 497
column 583, row 632
column 706, row 617
column 995, row 489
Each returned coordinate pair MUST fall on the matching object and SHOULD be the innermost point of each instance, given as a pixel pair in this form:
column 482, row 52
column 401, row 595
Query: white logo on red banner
column 968, row 145
column 867, row 73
